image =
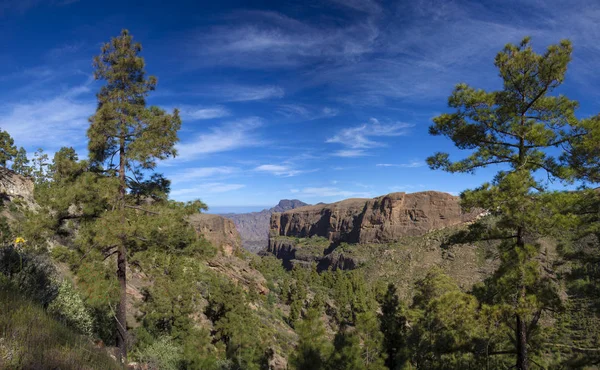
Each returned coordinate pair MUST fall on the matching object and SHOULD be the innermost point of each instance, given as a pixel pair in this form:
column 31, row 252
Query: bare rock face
column 220, row 231
column 379, row 220
column 16, row 187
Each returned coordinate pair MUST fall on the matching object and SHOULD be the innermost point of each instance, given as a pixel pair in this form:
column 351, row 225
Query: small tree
column 8, row 150
column 518, row 127
column 39, row 168
column 21, row 163
column 125, row 129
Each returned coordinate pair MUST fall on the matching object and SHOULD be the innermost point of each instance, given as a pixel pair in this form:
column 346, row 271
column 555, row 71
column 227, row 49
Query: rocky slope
column 254, row 226
column 379, row 220
column 16, row 188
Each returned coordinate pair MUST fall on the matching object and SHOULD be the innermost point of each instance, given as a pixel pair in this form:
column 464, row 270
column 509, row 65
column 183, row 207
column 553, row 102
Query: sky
column 312, row 100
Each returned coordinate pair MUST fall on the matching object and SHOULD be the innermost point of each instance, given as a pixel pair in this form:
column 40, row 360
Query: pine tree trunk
column 521, row 334
column 122, row 264
column 521, row 328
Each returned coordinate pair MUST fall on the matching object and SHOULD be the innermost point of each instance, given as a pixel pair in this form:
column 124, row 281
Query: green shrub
column 32, row 274
column 163, row 354
column 69, row 308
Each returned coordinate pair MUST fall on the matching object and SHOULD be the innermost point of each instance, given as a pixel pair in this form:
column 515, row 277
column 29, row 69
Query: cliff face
column 16, row 187
column 379, row 220
column 254, row 226
column 221, row 232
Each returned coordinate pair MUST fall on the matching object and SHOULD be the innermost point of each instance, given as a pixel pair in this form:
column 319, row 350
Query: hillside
column 254, row 226
column 393, row 238
column 32, row 339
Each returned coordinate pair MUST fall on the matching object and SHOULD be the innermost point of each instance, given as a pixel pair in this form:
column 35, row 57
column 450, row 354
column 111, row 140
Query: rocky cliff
column 380, row 220
column 219, row 231
column 14, row 187
column 254, row 226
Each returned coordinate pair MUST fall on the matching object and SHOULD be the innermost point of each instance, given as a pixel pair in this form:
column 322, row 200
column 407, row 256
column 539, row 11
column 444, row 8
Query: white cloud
column 255, row 39
column 411, row 164
column 51, row 123
column 191, row 113
column 280, row 170
column 349, row 153
column 306, row 112
column 359, row 138
column 229, row 136
column 200, row 190
column 241, row 93
column 202, row 172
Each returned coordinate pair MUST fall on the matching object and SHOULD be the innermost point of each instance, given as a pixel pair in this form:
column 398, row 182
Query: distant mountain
column 254, row 226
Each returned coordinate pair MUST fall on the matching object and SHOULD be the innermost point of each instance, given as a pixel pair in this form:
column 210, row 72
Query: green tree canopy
column 126, row 130
column 21, row 163
column 520, row 128
column 8, row 150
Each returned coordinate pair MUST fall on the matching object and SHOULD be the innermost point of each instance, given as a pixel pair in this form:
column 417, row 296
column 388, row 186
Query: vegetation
column 533, row 302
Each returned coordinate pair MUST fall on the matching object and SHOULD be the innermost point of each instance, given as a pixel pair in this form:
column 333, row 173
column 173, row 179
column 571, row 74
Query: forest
column 101, row 222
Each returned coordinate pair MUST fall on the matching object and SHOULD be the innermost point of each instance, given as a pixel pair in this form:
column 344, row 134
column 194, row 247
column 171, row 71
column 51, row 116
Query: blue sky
column 315, row 100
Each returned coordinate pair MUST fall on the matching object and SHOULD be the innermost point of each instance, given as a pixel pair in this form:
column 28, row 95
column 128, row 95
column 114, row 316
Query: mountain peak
column 287, row 204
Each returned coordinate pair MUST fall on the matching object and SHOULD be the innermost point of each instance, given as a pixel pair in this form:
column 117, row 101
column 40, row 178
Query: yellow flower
column 20, row 240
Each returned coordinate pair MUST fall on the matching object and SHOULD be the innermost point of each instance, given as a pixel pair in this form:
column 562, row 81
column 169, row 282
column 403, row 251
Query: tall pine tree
column 126, row 135
column 8, row 150
column 21, row 163
column 518, row 127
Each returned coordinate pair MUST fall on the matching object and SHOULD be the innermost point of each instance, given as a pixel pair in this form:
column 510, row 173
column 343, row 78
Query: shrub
column 163, row 354
column 30, row 273
column 69, row 308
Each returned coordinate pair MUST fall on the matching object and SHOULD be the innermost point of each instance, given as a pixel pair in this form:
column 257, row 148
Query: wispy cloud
column 350, row 153
column 411, row 164
column 190, row 174
column 358, row 139
column 241, row 93
column 281, row 170
column 256, row 39
column 200, row 190
column 49, row 123
column 306, row 112
column 192, row 113
column 327, row 192
column 226, row 137
column 367, row 6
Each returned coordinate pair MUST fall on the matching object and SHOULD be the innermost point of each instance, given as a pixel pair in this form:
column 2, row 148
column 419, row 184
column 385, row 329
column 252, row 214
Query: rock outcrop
column 14, row 187
column 220, row 231
column 380, row 220
column 254, row 226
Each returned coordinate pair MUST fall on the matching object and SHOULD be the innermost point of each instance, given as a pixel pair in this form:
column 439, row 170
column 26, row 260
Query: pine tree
column 347, row 352
column 124, row 128
column 313, row 348
column 21, row 163
column 372, row 352
column 393, row 326
column 8, row 150
column 39, row 166
column 517, row 127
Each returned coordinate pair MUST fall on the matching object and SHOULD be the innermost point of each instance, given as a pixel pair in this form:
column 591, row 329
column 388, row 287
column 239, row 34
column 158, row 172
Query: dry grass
column 30, row 339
